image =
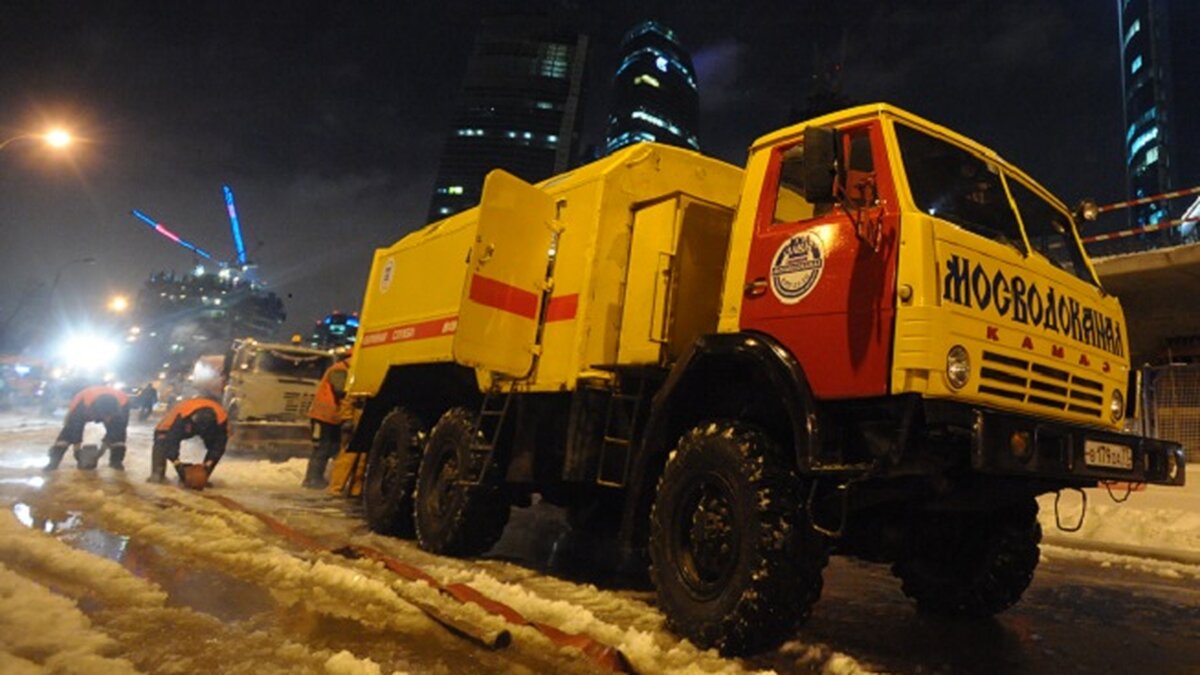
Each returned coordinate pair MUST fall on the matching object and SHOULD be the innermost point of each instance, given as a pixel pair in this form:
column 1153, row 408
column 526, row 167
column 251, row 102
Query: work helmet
column 343, row 353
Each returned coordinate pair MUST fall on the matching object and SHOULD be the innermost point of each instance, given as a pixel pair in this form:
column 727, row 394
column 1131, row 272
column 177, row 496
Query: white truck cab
column 269, row 388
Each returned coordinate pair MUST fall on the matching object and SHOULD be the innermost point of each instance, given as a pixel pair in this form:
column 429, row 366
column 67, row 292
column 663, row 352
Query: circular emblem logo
column 796, row 267
column 385, row 276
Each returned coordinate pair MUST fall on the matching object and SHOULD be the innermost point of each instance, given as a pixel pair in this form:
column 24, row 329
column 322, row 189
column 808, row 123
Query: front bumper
column 1057, row 451
column 291, row 437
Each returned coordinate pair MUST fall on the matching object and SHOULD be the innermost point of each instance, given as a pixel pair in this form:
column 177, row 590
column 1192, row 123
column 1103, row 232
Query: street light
column 118, row 304
column 55, row 138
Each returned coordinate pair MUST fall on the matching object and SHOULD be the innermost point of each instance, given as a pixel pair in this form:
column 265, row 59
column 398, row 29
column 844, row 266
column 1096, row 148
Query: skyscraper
column 520, row 109
column 655, row 97
column 1160, row 78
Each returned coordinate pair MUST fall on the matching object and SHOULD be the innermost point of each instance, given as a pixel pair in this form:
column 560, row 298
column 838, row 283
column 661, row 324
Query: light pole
column 86, row 260
column 55, row 138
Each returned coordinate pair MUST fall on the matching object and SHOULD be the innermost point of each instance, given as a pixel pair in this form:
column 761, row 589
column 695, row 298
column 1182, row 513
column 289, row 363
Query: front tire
column 453, row 518
column 391, row 475
column 971, row 564
column 735, row 564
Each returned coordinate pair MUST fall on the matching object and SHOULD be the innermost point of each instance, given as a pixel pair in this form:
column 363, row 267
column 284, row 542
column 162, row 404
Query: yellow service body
column 615, row 226
column 725, row 368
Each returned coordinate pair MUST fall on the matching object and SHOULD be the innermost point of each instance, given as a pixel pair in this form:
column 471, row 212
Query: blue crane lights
column 161, row 229
column 235, row 226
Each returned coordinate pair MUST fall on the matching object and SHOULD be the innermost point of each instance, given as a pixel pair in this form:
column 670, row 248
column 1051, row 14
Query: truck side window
column 790, row 204
column 860, row 188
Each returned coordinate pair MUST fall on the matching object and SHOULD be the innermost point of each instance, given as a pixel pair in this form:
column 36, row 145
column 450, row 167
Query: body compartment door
column 508, row 277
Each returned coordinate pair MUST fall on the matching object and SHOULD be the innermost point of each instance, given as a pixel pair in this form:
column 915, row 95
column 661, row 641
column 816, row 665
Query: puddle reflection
column 219, row 595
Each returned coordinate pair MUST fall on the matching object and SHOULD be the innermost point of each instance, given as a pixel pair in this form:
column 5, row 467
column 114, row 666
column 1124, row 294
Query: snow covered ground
column 103, row 573
column 131, row 577
column 1161, row 524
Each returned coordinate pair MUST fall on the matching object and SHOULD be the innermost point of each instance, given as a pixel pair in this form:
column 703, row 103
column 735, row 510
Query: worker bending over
column 98, row 403
column 194, row 417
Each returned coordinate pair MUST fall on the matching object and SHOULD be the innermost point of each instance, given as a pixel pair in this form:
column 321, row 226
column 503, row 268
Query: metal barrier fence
column 1171, row 405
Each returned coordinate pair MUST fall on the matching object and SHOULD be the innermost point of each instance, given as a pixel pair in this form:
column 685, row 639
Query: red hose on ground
column 605, row 656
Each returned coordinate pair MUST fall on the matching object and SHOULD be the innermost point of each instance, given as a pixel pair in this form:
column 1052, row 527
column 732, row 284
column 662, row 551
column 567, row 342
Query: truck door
column 821, row 277
column 672, row 283
column 509, row 273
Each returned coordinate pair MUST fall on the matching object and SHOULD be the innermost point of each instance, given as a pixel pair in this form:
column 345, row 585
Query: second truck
column 878, row 339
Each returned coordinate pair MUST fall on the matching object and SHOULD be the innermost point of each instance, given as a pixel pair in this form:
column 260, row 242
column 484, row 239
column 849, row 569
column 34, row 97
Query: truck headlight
column 958, row 366
column 1116, row 405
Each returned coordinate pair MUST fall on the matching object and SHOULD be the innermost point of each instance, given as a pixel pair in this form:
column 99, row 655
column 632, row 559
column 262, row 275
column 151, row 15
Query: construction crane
column 235, row 226
column 239, row 260
column 162, row 229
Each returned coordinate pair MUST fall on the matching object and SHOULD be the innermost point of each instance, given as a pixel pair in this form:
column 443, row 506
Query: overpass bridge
column 1160, row 293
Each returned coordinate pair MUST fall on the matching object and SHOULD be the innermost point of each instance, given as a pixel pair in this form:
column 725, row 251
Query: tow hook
column 1082, row 511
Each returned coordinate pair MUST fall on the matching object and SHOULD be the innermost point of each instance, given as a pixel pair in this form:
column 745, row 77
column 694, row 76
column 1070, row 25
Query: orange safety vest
column 88, row 396
column 185, row 408
column 325, row 403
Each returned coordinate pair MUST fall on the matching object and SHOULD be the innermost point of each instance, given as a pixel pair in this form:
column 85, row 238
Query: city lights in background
column 88, row 352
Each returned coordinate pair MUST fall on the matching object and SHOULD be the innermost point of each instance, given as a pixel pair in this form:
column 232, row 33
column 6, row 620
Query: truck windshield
column 955, row 185
column 951, row 183
column 305, row 366
column 1051, row 232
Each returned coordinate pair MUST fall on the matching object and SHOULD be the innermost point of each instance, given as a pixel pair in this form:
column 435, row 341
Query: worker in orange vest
column 326, row 419
column 98, row 403
column 194, row 417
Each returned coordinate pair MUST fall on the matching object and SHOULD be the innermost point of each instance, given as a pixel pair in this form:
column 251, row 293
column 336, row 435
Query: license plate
column 1110, row 455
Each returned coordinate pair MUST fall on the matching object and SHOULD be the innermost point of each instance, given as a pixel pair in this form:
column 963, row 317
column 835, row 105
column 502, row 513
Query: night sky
column 327, row 119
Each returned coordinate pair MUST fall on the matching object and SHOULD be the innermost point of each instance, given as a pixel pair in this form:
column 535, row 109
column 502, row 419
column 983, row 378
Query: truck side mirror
column 820, row 164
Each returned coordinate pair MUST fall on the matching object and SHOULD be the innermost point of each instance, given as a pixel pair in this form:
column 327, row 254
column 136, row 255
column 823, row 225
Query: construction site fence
column 1171, row 405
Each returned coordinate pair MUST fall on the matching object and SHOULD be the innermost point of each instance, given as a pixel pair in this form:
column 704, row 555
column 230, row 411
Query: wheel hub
column 708, row 537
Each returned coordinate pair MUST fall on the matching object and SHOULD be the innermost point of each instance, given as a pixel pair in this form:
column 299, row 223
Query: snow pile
column 262, row 474
column 821, row 659
column 345, row 663
column 44, row 632
column 1160, row 522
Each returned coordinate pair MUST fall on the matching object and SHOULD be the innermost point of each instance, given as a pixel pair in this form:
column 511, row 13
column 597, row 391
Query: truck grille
column 1040, row 385
column 295, row 403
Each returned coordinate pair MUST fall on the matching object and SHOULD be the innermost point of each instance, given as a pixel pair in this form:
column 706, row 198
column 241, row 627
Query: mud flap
column 346, row 476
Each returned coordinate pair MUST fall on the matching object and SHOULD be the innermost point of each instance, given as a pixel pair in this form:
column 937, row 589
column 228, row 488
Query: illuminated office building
column 520, row 109
column 655, row 97
column 1160, row 77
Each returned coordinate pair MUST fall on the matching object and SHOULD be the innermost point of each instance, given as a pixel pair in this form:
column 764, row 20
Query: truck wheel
column 453, row 518
column 971, row 565
column 735, row 565
column 392, row 475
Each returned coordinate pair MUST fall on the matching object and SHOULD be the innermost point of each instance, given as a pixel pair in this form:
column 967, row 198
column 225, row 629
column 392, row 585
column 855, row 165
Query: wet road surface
column 238, row 601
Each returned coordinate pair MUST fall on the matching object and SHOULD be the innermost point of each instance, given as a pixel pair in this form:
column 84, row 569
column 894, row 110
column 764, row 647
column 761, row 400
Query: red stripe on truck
column 412, row 331
column 506, row 298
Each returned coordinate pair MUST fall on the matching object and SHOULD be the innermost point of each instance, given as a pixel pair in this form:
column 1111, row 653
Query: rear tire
column 971, row 564
column 733, row 559
column 453, row 518
column 391, row 474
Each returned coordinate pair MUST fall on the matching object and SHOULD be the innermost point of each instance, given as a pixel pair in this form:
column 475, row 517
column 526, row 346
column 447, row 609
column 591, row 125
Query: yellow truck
column 878, row 339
